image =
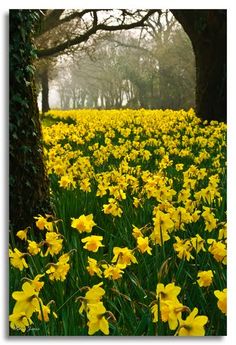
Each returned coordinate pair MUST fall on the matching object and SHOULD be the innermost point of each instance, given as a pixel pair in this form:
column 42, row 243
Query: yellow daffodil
column 183, row 248
column 53, row 242
column 44, row 311
column 168, row 292
column 222, row 300
column 33, row 247
column 218, row 250
column 162, row 222
column 67, row 182
column 36, row 284
column 170, row 307
column 159, row 236
column 26, row 300
column 210, row 220
column 85, row 185
column 180, row 217
column 95, row 293
column 92, row 297
column 42, row 223
column 179, row 166
column 170, row 311
column 184, row 195
column 112, row 208
column 154, row 310
column 198, row 243
column 123, row 256
column 143, row 245
column 22, row 234
column 223, row 232
column 113, row 272
column 92, row 243
column 205, row 278
column 17, row 259
column 193, row 325
column 136, row 232
column 136, row 202
column 19, row 321
column 93, row 267
column 59, row 270
column 97, row 320
column 83, row 223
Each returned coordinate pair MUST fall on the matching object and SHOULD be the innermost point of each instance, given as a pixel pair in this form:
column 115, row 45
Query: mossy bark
column 29, row 186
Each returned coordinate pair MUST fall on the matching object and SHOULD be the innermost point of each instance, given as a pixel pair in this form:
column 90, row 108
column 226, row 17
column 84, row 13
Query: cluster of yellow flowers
column 27, row 303
column 171, row 311
column 95, row 310
column 28, row 300
column 171, row 308
column 123, row 257
column 161, row 175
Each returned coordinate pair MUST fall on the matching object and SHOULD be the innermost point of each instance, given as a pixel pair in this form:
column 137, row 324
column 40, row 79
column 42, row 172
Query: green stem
column 43, row 320
column 68, row 300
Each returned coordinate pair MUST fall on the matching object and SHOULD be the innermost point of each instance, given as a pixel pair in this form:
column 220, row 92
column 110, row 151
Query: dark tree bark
column 45, row 90
column 29, row 188
column 207, row 32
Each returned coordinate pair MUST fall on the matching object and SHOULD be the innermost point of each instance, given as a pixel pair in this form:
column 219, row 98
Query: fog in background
column 148, row 67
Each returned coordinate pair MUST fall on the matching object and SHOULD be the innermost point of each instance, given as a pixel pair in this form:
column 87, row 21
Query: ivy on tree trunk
column 29, row 187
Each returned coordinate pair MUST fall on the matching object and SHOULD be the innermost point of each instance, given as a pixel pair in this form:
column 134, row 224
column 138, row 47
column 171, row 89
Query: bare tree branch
column 132, row 46
column 52, row 20
column 95, row 27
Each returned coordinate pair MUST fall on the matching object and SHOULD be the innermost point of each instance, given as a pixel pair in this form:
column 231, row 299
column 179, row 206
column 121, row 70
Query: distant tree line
column 153, row 67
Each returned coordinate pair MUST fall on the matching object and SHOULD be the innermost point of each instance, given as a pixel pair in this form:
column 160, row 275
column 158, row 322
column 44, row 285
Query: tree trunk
column 102, row 101
column 211, row 79
column 74, row 98
column 207, row 32
column 45, row 90
column 29, row 188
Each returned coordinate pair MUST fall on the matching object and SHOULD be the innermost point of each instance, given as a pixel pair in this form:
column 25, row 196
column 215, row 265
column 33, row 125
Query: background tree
column 51, row 31
column 45, row 71
column 176, row 62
